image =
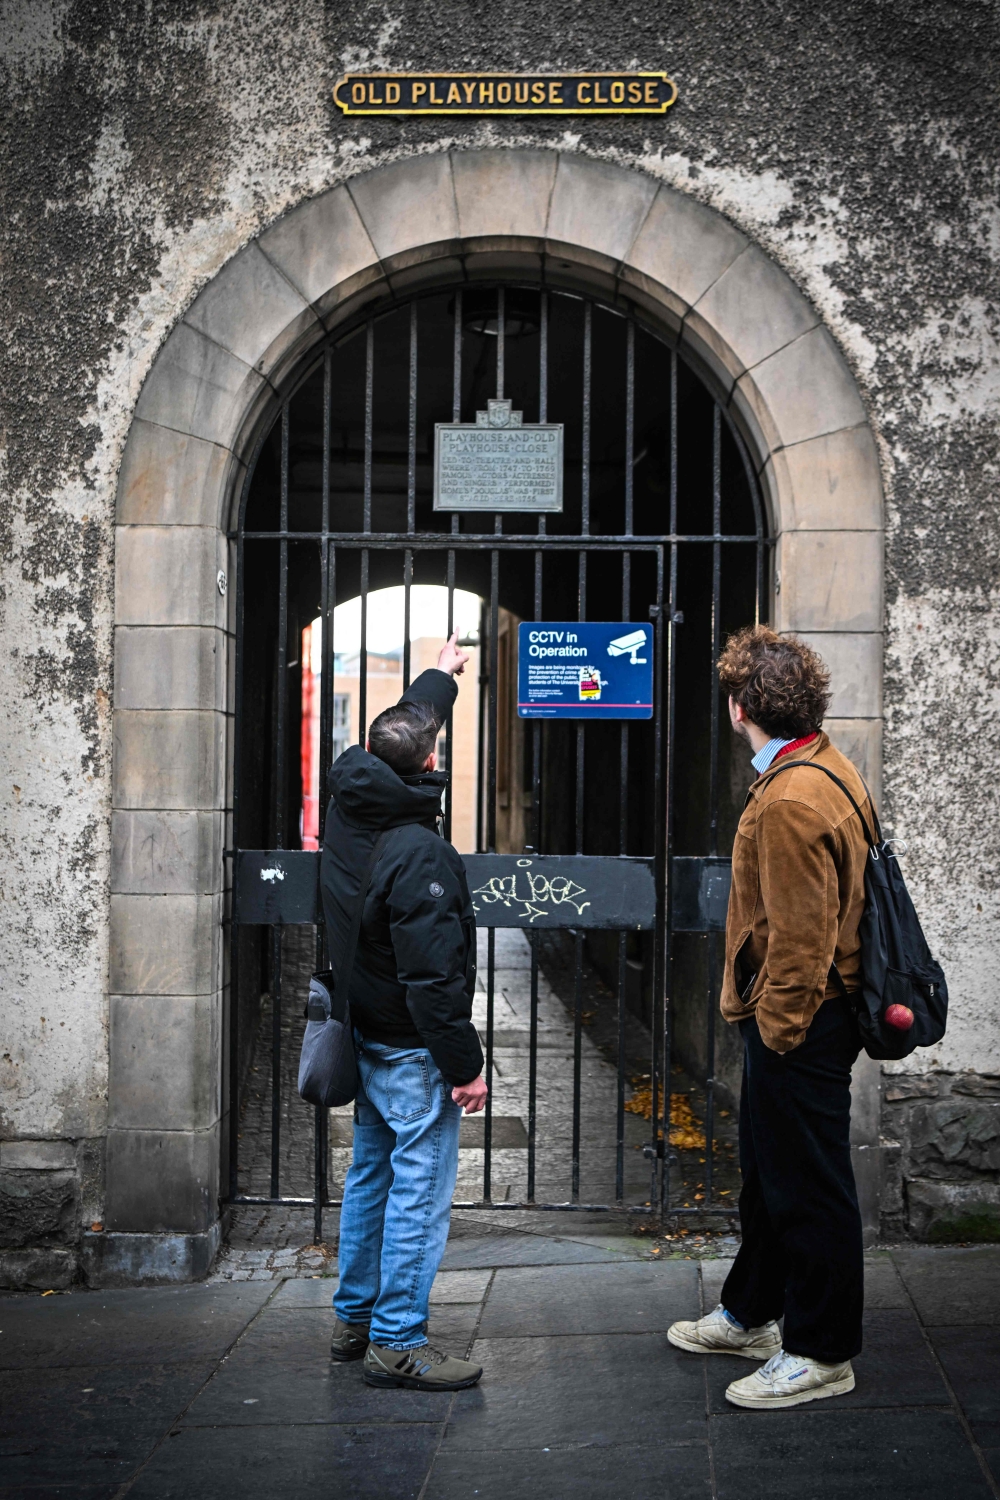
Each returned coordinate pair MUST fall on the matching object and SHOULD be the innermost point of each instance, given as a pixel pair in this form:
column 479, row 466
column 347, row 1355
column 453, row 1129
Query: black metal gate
column 662, row 522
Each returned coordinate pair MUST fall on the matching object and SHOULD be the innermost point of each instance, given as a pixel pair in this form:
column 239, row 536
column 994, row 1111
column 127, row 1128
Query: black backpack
column 896, row 963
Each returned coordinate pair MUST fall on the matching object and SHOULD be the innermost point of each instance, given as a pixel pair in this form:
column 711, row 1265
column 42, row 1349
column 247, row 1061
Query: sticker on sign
column 570, row 669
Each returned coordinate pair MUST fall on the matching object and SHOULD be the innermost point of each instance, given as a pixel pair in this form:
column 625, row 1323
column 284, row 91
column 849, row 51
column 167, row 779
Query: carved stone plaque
column 498, row 462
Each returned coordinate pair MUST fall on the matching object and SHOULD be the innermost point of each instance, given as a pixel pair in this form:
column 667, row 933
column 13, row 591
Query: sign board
column 625, row 93
column 498, row 462
column 280, row 887
column 562, row 890
column 568, row 669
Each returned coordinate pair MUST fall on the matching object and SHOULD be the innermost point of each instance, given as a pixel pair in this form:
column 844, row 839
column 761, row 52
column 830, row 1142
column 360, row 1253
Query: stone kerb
column 432, row 217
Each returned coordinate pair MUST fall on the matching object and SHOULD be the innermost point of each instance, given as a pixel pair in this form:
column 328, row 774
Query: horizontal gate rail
column 280, row 887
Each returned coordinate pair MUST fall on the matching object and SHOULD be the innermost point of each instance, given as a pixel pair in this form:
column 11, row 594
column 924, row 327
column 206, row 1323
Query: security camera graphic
column 628, row 645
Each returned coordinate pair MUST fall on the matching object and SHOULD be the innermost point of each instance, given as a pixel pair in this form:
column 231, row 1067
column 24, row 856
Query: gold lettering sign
column 505, row 93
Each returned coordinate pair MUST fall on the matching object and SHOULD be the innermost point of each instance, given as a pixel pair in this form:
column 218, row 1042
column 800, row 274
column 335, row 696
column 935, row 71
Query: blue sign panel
column 592, row 670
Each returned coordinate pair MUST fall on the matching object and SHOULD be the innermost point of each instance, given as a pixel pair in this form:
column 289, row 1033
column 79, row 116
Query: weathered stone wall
column 856, row 143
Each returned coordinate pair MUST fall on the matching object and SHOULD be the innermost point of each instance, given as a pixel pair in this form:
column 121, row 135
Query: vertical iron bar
column 407, row 586
column 580, row 748
column 369, row 408
column 668, row 958
column 320, row 1118
column 411, row 492
column 629, row 427
column 585, row 451
column 491, row 844
column 281, row 799
column 577, row 1055
column 488, row 1121
column 501, row 341
column 411, row 439
column 456, row 361
column 620, row 1100
column 276, row 933
column 449, row 723
column 658, row 857
column 363, row 654
column 234, row 989
column 543, row 379
column 491, row 748
column 533, row 1066
column 713, row 791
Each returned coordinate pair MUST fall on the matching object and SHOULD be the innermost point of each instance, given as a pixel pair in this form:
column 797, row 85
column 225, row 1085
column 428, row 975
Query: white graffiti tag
column 544, row 892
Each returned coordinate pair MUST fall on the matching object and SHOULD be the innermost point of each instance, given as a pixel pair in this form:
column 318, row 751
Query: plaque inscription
column 625, row 93
column 498, row 463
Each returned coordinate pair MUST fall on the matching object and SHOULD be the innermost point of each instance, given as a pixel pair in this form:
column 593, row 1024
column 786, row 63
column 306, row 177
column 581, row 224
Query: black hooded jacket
column 415, row 969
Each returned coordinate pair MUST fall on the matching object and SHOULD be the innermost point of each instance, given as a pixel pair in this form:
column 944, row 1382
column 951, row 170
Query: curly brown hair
column 781, row 684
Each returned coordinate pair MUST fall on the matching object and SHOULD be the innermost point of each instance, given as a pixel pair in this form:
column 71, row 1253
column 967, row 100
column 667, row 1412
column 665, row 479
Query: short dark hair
column 781, row 684
column 404, row 735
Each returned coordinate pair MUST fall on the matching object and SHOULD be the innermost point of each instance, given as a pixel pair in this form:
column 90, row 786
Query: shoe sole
column 691, row 1347
column 346, row 1359
column 773, row 1403
column 414, row 1382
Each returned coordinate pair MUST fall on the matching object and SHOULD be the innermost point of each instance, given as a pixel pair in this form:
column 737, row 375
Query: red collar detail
column 796, row 745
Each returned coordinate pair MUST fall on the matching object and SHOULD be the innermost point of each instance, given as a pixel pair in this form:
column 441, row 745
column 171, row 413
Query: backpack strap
column 872, row 845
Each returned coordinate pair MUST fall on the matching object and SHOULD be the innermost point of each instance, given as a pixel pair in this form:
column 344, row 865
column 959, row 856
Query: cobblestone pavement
column 202, row 1391
column 261, row 1240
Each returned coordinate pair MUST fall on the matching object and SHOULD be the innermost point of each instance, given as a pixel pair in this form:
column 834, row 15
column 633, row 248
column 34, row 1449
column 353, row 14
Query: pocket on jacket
column 408, row 1088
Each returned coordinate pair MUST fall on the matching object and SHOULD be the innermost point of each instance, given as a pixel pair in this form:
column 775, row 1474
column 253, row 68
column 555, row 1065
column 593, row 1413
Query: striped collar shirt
column 762, row 760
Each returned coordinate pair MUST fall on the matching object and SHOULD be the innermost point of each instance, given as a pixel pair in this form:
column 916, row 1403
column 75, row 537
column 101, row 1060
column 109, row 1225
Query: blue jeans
column 397, row 1198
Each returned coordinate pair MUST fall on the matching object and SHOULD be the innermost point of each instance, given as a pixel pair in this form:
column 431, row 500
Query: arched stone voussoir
column 170, row 478
column 199, row 388
column 324, row 250
column 408, row 209
column 597, row 209
column 254, row 311
column 680, row 251
column 803, row 391
column 503, row 194
column 749, row 312
column 827, row 483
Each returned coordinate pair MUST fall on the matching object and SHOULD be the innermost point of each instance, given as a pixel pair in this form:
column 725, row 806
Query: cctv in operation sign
column 569, row 669
column 504, row 93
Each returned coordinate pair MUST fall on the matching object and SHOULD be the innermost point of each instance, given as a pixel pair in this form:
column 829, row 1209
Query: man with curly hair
column 793, row 957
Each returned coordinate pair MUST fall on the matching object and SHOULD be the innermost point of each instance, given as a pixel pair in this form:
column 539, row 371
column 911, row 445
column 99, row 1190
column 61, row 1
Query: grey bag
column 328, row 1069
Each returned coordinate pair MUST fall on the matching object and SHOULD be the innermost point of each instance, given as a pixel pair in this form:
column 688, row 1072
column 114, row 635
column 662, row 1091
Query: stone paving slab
column 532, row 1250
column 826, row 1453
column 84, row 1424
column 144, row 1325
column 376, row 1462
column 623, row 1471
column 952, row 1286
column 634, row 1297
column 571, row 1391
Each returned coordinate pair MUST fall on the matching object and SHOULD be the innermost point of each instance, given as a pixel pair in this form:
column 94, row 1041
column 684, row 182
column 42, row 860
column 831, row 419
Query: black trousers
column 801, row 1252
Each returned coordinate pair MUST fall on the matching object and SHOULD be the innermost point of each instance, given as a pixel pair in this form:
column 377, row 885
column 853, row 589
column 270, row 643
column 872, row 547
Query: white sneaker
column 715, row 1334
column 789, row 1380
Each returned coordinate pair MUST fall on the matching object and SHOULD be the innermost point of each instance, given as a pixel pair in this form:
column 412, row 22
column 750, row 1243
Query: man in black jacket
column 419, row 1058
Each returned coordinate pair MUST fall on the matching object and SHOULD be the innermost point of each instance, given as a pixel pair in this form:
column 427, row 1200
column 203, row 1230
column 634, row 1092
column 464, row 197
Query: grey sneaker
column 350, row 1340
column 789, row 1380
column 422, row 1369
column 714, row 1334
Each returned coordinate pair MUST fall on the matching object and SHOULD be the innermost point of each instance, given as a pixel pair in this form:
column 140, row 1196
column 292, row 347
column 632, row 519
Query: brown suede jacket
column 797, row 896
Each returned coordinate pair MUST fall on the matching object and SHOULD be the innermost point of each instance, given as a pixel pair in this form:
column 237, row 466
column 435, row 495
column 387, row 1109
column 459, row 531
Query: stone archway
column 435, row 216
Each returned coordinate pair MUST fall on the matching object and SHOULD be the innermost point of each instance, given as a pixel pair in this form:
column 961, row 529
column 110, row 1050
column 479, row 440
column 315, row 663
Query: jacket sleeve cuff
column 437, row 688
